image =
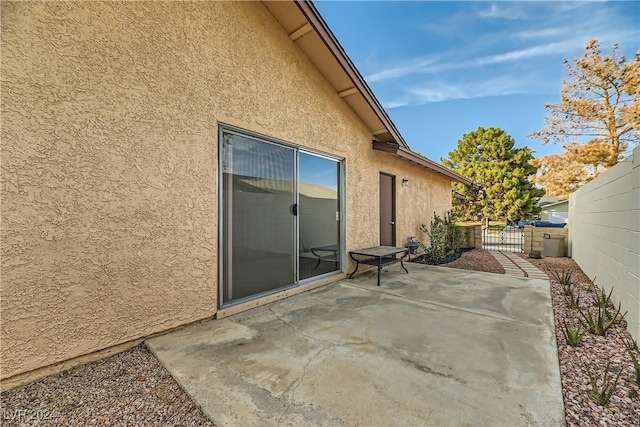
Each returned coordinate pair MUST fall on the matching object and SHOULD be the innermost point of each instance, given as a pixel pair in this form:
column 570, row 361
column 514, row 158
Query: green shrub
column 445, row 237
column 589, row 287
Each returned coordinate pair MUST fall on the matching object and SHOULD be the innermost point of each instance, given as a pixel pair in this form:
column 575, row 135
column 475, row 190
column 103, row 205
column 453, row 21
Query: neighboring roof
column 549, row 200
column 306, row 28
column 550, row 205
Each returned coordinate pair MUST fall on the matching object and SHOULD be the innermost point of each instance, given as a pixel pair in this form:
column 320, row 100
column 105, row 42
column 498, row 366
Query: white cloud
column 497, row 86
column 530, row 45
column 502, row 12
column 541, row 33
column 563, row 6
column 415, row 66
column 396, row 103
column 528, row 53
column 432, row 66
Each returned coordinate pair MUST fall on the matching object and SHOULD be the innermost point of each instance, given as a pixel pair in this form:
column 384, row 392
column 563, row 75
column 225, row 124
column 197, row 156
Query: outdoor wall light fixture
column 405, row 182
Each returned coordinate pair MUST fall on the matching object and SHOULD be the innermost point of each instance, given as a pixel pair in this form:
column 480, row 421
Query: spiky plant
column 600, row 323
column 632, row 347
column 573, row 298
column 601, row 299
column 564, row 278
column 589, row 287
column 573, row 333
column 602, row 395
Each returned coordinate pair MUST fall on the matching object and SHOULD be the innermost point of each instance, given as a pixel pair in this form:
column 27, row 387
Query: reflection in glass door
column 319, row 215
column 258, row 221
column 280, row 216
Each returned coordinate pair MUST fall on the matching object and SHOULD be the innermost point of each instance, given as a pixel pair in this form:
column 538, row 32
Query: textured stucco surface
column 110, row 115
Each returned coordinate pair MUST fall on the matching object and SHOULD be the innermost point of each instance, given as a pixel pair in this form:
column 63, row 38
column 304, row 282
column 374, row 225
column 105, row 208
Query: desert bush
column 445, row 237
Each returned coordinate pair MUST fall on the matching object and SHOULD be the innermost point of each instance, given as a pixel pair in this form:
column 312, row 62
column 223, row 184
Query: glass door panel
column 258, row 221
column 318, row 215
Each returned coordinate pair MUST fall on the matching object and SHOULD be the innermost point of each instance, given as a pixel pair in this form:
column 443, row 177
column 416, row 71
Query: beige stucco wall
column 425, row 194
column 110, row 115
column 604, row 217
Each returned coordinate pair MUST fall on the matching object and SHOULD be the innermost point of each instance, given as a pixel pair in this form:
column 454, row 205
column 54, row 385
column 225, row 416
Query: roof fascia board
column 421, row 160
column 317, row 22
column 550, row 205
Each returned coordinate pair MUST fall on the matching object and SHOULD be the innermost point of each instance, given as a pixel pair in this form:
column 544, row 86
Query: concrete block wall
column 604, row 217
column 534, row 239
column 472, row 236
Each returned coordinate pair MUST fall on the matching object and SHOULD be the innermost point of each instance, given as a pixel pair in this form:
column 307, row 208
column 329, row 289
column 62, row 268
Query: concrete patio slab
column 437, row 346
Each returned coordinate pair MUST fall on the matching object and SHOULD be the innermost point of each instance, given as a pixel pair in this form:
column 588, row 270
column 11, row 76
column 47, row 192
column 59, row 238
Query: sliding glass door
column 258, row 190
column 280, row 216
column 319, row 219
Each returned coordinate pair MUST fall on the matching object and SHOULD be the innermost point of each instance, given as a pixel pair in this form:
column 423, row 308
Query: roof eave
column 420, row 160
column 317, row 22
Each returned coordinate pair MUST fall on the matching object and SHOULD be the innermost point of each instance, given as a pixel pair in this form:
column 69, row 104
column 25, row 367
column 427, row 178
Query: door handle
column 392, row 223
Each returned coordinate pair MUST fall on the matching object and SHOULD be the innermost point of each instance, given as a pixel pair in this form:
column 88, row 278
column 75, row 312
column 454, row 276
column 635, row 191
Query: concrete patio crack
column 300, row 332
column 301, row 380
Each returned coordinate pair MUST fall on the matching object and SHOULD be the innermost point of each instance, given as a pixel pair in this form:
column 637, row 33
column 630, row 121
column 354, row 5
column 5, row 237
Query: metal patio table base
column 331, row 254
column 379, row 256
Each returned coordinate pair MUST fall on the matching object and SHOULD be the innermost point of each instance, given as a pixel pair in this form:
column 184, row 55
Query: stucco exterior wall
column 110, row 116
column 604, row 217
column 425, row 194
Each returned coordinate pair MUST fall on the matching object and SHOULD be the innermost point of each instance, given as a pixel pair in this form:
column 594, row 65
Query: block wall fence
column 604, row 217
column 533, row 237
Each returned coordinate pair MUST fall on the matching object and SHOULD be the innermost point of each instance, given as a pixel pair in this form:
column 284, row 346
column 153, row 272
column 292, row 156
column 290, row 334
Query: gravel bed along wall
column 594, row 352
column 131, row 388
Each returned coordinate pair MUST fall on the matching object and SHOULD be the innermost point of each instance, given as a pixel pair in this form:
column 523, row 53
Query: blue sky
column 443, row 68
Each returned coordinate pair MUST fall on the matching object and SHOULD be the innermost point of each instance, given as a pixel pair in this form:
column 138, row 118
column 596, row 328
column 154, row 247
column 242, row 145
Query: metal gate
column 503, row 238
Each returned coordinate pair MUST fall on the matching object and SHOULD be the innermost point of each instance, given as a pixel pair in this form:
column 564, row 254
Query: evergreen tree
column 501, row 188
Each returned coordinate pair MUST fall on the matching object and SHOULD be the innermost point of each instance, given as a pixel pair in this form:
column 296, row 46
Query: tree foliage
column 501, row 188
column 597, row 119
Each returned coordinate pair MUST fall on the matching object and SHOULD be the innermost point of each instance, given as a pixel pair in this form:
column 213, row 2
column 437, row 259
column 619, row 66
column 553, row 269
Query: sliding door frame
column 224, row 262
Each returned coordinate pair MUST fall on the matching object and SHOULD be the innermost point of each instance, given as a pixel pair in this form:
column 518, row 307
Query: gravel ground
column 132, row 388
column 477, row 260
column 595, row 352
column 128, row 389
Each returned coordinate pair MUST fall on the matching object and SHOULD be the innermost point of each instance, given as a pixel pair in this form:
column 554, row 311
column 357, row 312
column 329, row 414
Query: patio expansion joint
column 442, row 305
